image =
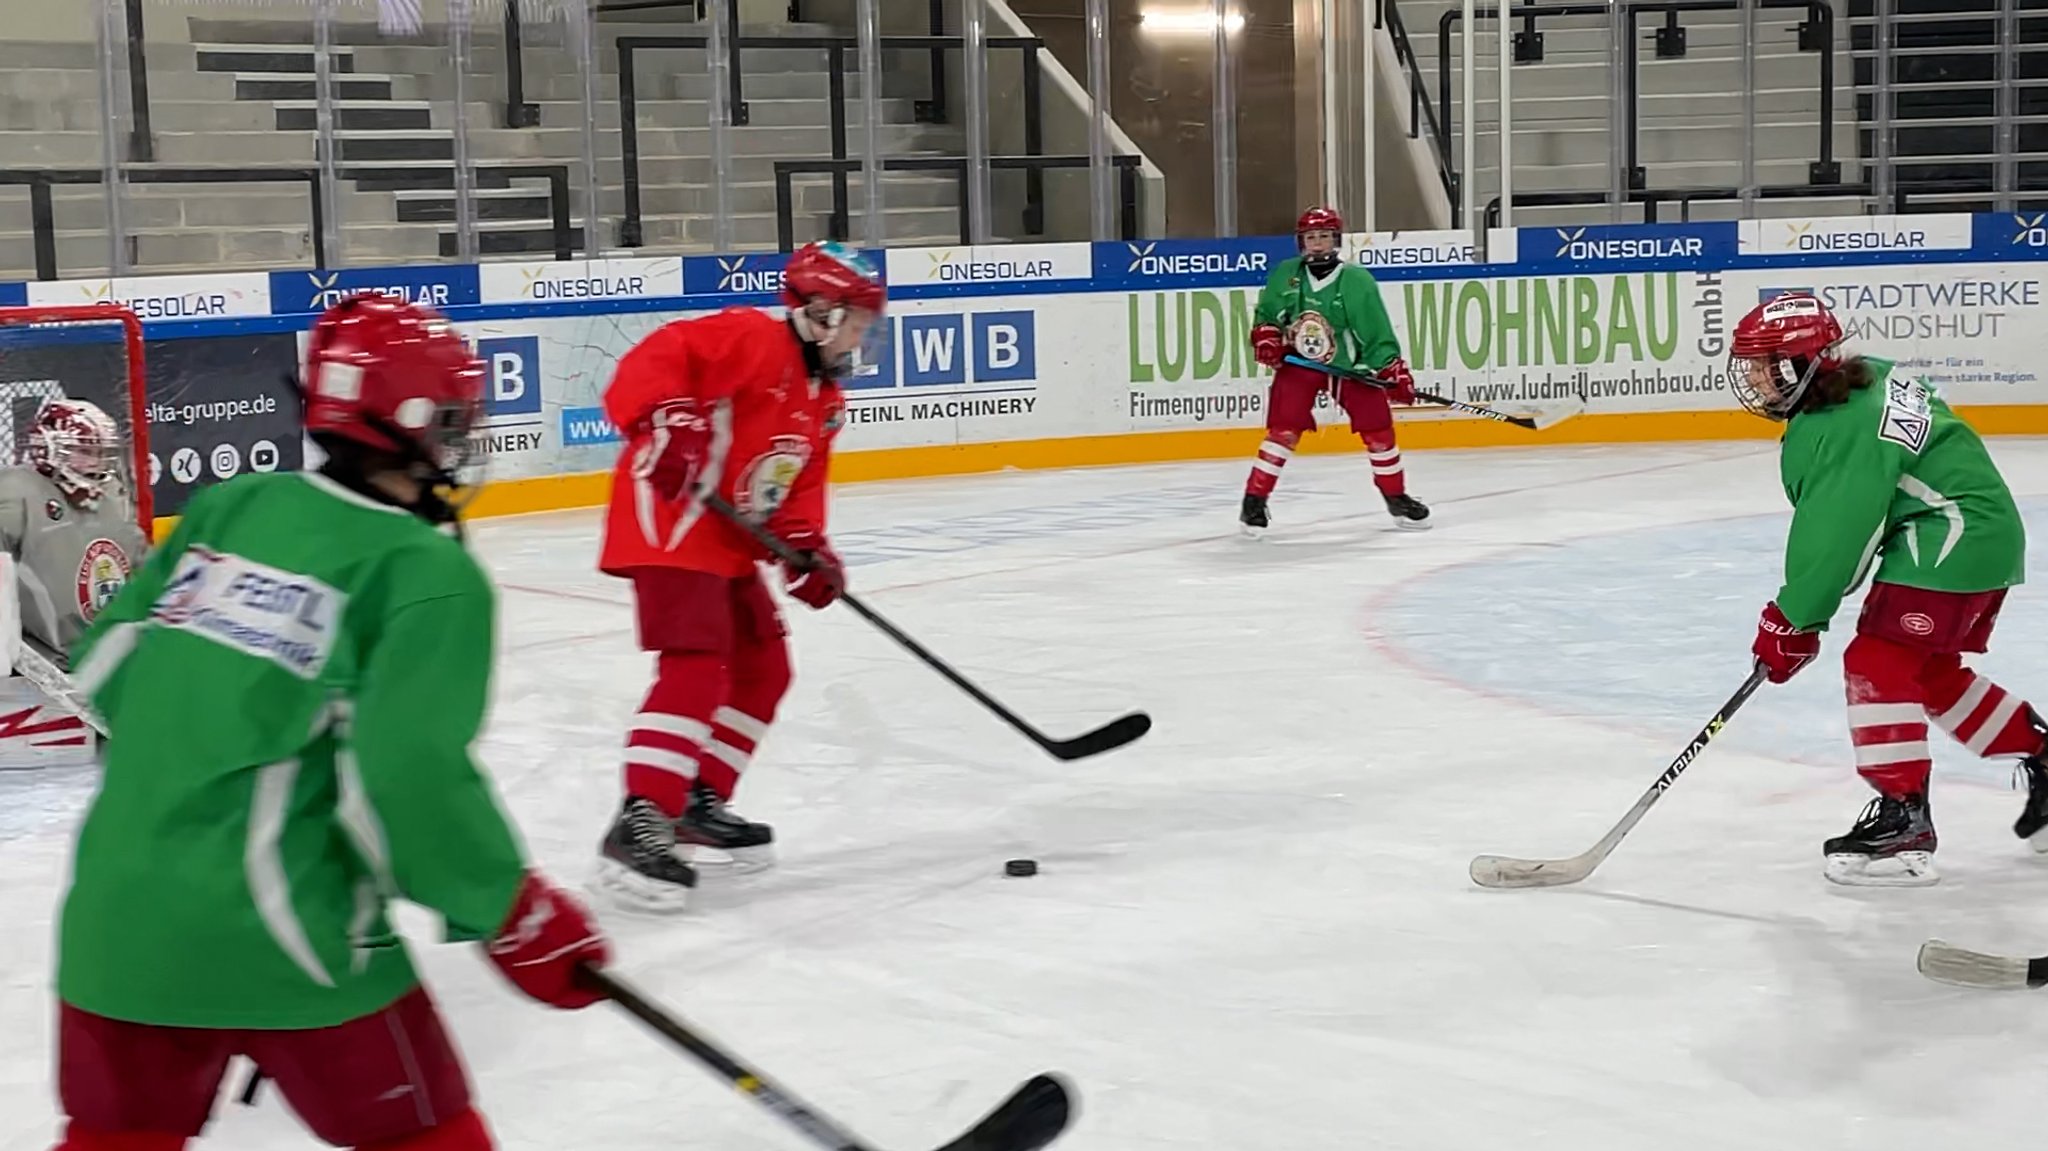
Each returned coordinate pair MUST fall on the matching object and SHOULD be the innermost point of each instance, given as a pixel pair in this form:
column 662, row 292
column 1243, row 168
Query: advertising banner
column 1977, row 331
column 218, row 407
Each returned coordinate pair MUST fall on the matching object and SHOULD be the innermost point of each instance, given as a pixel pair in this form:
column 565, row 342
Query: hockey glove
column 1268, row 346
column 821, row 578
column 1399, row 381
column 678, row 440
column 544, row 941
column 1782, row 648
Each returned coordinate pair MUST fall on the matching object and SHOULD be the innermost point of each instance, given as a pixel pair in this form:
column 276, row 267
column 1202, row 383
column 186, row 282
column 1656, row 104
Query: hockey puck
column 1021, row 867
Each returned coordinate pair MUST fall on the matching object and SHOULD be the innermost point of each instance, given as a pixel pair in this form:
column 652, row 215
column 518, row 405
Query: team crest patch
column 54, row 509
column 101, row 576
column 1917, row 623
column 1314, row 338
column 1907, row 414
column 765, row 482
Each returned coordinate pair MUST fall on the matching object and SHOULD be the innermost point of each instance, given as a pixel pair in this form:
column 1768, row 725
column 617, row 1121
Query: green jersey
column 291, row 685
column 1337, row 319
column 1892, row 476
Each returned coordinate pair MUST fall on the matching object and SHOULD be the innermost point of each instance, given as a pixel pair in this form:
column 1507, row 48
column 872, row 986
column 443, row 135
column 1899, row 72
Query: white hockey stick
column 1505, row 871
column 1538, row 417
column 1961, row 967
column 51, row 681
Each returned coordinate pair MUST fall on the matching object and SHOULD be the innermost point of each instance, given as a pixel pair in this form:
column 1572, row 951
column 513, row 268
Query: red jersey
column 772, row 425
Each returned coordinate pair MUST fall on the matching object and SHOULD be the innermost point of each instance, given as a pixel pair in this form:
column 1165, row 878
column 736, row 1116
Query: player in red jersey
column 747, row 405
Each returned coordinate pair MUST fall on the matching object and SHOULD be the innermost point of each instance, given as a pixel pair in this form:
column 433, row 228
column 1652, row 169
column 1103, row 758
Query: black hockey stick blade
column 1110, row 736
column 1961, row 967
column 1032, row 1117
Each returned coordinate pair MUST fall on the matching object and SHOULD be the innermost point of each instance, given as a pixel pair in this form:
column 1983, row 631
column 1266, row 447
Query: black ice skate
column 1892, row 845
column 1408, row 512
column 2032, row 825
column 1253, row 515
column 710, row 823
column 639, row 866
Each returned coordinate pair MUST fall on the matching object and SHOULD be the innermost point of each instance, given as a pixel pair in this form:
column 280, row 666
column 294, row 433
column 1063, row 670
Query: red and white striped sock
column 734, row 736
column 1887, row 720
column 1273, row 455
column 1387, row 474
column 1891, row 746
column 1982, row 716
column 669, row 735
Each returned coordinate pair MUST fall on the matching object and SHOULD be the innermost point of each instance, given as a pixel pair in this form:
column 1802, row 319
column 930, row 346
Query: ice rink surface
column 1253, row 930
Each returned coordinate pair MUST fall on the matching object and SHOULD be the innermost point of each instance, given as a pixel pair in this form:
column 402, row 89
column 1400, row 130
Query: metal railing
column 1823, row 171
column 631, row 231
column 1420, row 110
column 1033, row 167
column 41, row 183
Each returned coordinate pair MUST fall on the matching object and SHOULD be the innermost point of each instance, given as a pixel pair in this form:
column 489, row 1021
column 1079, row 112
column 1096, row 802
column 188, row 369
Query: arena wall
column 1062, row 355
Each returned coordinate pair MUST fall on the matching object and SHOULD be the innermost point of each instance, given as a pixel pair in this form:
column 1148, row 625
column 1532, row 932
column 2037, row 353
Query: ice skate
column 709, row 823
column 1253, row 515
column 2032, row 825
column 639, row 867
column 1891, row 845
column 1408, row 512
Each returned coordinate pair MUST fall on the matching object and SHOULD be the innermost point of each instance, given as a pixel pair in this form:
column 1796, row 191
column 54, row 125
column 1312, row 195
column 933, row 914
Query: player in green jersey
column 1317, row 307
column 291, row 684
column 1881, row 474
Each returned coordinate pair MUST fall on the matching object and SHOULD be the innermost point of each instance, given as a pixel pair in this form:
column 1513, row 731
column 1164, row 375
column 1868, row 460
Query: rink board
column 1060, row 355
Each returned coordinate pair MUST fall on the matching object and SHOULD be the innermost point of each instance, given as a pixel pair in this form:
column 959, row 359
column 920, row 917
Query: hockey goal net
column 91, row 352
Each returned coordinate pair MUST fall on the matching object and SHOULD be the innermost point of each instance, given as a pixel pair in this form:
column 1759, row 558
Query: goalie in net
column 72, row 510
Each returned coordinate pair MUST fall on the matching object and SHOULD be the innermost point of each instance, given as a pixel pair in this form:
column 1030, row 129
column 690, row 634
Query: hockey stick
column 52, row 682
column 1961, row 967
column 1033, row 1116
column 1502, row 871
column 1108, row 737
column 1544, row 418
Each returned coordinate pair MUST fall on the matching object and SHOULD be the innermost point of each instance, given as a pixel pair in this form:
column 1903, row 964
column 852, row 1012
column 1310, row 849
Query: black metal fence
column 1817, row 35
column 1033, row 167
column 41, row 183
column 631, row 231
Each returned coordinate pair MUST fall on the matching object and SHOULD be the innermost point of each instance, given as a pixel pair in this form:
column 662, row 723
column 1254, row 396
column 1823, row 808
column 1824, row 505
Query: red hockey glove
column 1268, row 346
column 1782, row 648
column 820, row 580
column 544, row 941
column 1399, row 381
column 679, row 439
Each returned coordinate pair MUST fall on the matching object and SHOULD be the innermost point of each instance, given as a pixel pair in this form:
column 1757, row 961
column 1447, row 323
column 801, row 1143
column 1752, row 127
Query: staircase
column 244, row 94
column 1949, row 76
column 1690, row 131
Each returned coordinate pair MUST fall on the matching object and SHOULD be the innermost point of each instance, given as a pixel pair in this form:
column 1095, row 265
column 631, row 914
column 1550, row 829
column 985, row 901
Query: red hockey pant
column 721, row 668
column 1905, row 668
column 1291, row 410
column 390, row 1080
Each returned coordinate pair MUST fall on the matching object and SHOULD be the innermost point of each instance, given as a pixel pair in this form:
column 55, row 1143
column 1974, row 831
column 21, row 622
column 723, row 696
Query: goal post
column 90, row 352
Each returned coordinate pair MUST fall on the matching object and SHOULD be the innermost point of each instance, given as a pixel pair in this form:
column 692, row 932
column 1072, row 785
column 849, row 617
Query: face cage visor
column 823, row 322
column 1778, row 395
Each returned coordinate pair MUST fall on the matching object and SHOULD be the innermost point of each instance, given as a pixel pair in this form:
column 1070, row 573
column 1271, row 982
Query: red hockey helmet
column 396, row 377
column 77, row 447
column 835, row 274
column 1777, row 350
column 1318, row 219
column 825, row 285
